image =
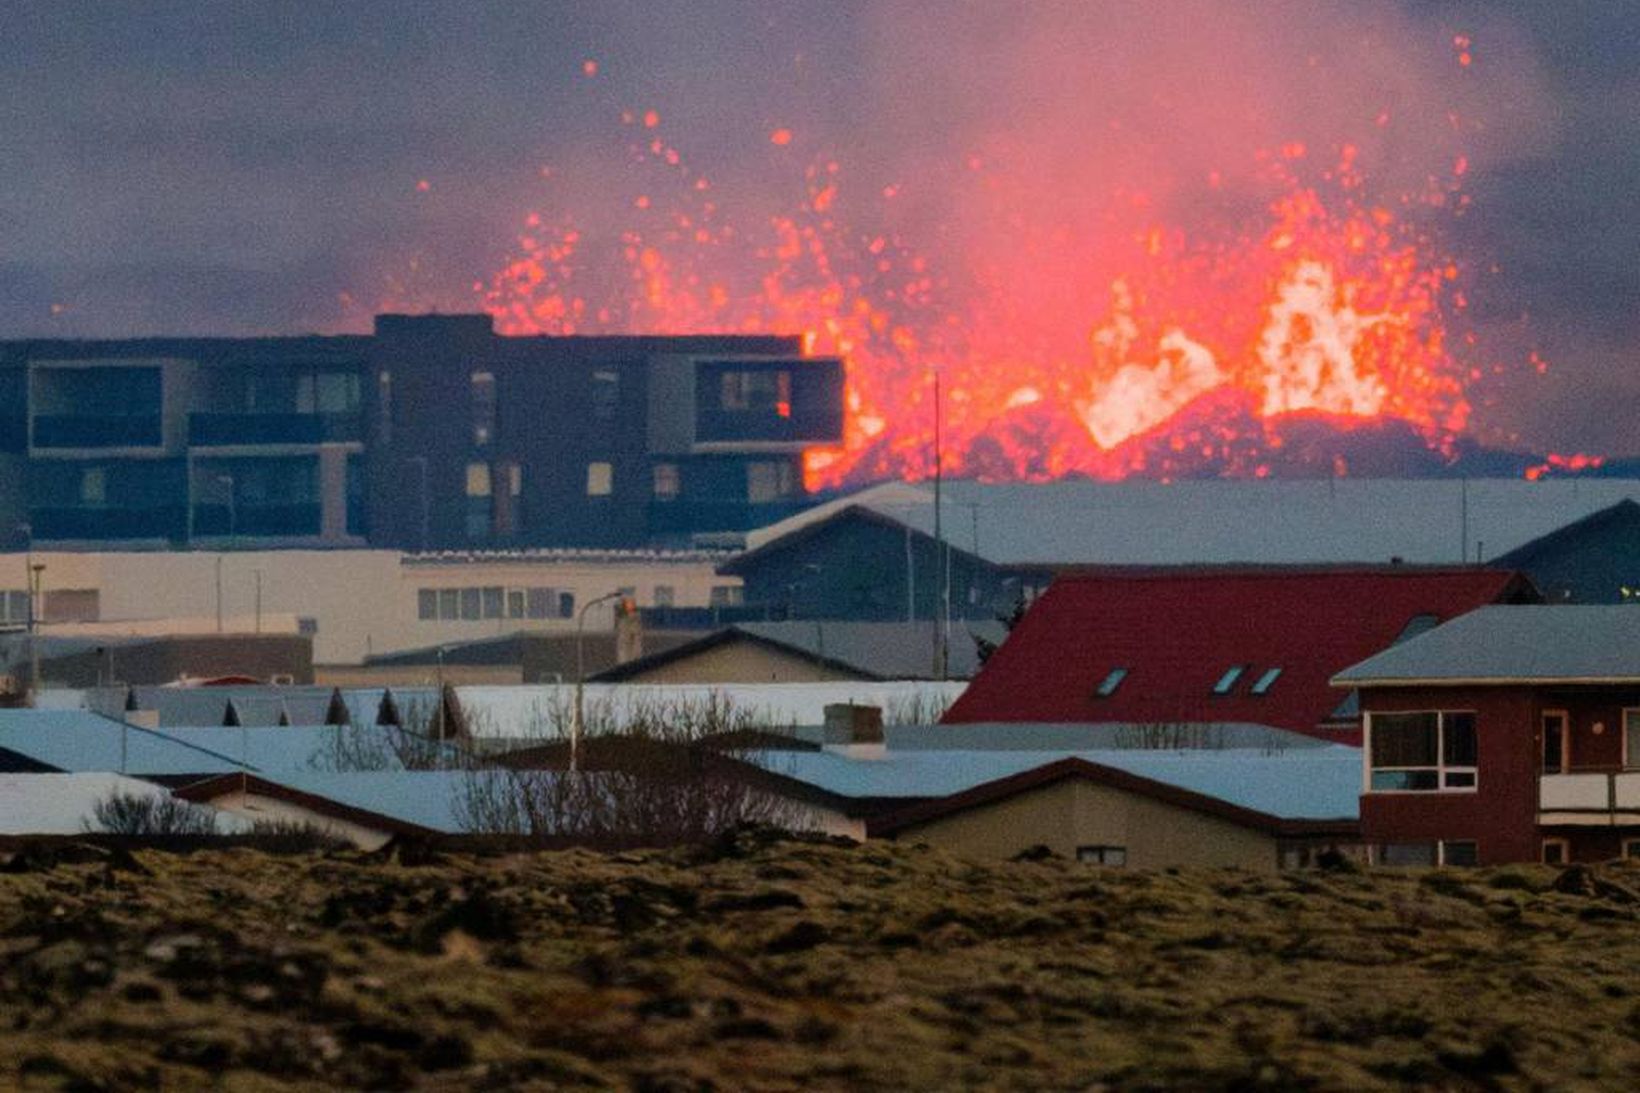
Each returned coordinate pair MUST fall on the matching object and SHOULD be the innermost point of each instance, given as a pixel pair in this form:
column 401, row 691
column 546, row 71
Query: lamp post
column 36, row 578
column 579, row 721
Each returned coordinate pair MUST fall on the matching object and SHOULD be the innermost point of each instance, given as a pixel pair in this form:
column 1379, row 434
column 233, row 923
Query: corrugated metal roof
column 427, row 798
column 1430, row 521
column 1530, row 644
column 1312, row 784
column 76, row 742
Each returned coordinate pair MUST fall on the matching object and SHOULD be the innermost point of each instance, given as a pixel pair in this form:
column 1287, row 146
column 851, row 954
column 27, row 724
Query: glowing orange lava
column 1172, row 348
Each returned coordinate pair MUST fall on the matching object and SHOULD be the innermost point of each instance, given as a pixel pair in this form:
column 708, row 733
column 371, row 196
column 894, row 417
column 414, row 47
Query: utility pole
column 258, row 601
column 942, row 574
column 578, row 723
column 36, row 570
column 219, row 593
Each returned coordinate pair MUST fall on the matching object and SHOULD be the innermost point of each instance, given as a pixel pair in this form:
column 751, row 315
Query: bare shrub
column 1171, row 736
column 288, row 836
column 924, row 706
column 122, row 813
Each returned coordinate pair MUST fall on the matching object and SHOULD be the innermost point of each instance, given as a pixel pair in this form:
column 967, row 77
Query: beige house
column 1103, row 815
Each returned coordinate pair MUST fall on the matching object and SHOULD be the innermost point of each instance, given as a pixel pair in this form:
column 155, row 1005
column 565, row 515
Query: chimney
column 628, row 632
column 855, row 731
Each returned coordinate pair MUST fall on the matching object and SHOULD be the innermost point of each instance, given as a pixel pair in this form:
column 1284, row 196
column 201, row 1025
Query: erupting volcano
column 1199, row 333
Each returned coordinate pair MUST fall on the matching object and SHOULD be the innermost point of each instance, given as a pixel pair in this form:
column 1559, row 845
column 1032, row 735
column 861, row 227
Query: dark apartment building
column 431, row 433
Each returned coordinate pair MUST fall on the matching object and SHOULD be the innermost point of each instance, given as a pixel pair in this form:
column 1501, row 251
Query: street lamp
column 579, row 721
column 36, row 578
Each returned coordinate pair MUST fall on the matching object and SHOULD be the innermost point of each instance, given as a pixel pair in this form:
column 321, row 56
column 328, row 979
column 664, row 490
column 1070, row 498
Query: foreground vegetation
column 765, row 963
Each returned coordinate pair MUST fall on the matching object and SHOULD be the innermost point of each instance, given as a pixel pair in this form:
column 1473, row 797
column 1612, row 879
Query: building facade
column 431, row 433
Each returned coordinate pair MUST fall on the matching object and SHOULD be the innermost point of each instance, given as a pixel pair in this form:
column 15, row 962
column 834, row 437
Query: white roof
column 1521, row 644
column 1211, row 522
column 61, row 804
column 535, row 712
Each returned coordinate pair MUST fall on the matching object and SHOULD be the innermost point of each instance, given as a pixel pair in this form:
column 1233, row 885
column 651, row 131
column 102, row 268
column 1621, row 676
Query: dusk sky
column 238, row 168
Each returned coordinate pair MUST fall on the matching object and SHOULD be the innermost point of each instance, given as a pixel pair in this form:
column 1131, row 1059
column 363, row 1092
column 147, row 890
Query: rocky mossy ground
column 769, row 963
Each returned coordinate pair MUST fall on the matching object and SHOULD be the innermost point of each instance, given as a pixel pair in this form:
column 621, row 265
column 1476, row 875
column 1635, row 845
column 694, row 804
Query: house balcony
column 1603, row 798
column 233, row 430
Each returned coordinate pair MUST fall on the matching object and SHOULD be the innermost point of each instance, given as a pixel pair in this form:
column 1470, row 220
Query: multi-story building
column 431, row 433
column 1508, row 734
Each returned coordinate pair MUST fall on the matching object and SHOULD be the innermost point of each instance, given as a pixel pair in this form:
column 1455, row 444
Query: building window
column 93, row 486
column 427, row 604
column 539, row 603
column 600, row 479
column 1422, row 752
column 769, row 481
column 515, row 603
column 483, row 403
column 472, row 604
column 1631, row 848
column 727, row 595
column 493, row 600
column 479, row 501
column 760, row 390
column 1108, row 685
column 606, row 394
column 1555, row 741
column 15, row 605
column 1102, row 855
column 668, row 483
column 1631, row 738
column 664, row 596
column 1556, row 851
column 1262, row 685
column 384, row 406
column 1408, row 854
column 1227, row 682
column 566, row 605
column 449, row 603
column 1459, row 852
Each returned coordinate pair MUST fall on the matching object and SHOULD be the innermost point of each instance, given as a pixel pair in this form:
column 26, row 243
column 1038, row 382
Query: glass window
column 384, row 405
column 566, row 605
column 17, row 606
column 1556, row 851
column 427, row 604
column 1102, row 855
column 483, row 406
column 1407, row 854
column 768, row 481
column 757, row 390
column 1631, row 848
column 1458, row 852
column 1227, row 681
column 1423, row 751
column 727, row 595
column 606, row 394
column 472, row 604
column 492, row 602
column 449, row 603
column 539, row 601
column 338, row 392
column 515, row 603
column 668, row 483
column 1262, row 685
column 1554, row 743
column 1108, row 685
column 478, row 480
column 600, row 479
column 93, row 486
column 1631, row 738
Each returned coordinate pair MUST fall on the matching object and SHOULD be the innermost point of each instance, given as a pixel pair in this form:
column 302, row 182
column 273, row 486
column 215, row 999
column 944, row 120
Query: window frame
column 1443, row 770
column 1267, row 679
column 1226, row 684
column 1630, row 761
column 427, row 605
column 1442, row 855
column 1102, row 854
column 1111, row 683
column 1565, row 741
column 1630, row 848
column 1561, row 843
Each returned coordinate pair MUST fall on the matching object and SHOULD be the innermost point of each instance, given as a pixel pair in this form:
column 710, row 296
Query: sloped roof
column 1520, row 644
column 1092, row 736
column 73, row 742
column 1221, row 522
column 869, row 650
column 287, row 748
column 1313, row 783
column 203, row 707
column 1177, row 634
column 400, row 801
column 61, row 804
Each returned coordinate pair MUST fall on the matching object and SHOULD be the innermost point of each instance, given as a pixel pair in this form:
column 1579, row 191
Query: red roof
column 1177, row 634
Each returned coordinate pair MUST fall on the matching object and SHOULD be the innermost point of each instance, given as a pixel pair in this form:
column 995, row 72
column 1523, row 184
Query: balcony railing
column 1590, row 791
column 258, row 521
column 222, row 430
column 98, row 431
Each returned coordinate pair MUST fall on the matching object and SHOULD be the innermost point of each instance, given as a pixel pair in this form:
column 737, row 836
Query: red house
column 1511, row 734
column 1216, row 645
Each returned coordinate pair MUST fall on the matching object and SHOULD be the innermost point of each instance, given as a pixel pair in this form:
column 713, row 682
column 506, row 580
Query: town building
column 1185, row 647
column 1593, row 560
column 430, row 433
column 874, row 555
column 1510, row 734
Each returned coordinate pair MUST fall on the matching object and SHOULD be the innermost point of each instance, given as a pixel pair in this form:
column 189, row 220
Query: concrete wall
column 1073, row 813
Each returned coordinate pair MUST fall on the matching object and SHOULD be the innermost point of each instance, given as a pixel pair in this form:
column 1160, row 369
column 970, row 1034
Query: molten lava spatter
column 1161, row 348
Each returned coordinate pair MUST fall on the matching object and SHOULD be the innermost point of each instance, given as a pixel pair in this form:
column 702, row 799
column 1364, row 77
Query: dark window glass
column 1554, row 743
column 540, row 603
column 427, row 604
column 1405, row 739
column 1458, row 853
column 1406, row 779
column 1264, row 682
column 472, row 603
column 566, row 605
column 606, row 394
column 1407, row 854
column 492, row 603
column 1458, row 739
column 1227, row 681
column 515, row 603
column 449, row 603
column 1554, row 851
column 1108, row 685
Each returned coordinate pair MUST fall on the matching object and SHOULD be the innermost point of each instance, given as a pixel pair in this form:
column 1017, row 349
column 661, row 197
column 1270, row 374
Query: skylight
column 1227, row 681
column 1108, row 685
column 1264, row 682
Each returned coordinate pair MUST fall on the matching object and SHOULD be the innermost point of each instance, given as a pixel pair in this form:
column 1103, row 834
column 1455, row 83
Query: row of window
column 1459, row 852
column 1428, row 751
column 1557, row 740
column 1225, row 685
column 493, row 602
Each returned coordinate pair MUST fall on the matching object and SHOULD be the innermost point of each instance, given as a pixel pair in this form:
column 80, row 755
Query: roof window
column 1108, row 685
column 1262, row 685
column 1227, row 682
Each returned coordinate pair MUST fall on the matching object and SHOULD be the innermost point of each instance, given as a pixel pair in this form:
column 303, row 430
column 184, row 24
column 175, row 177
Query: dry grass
column 769, row 964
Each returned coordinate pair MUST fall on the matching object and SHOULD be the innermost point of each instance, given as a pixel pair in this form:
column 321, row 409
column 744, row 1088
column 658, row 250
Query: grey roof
column 61, row 804
column 282, row 749
column 1311, row 784
column 427, row 798
column 874, row 650
column 208, row 706
column 1522, row 644
column 1058, row 736
column 1218, row 521
column 73, row 741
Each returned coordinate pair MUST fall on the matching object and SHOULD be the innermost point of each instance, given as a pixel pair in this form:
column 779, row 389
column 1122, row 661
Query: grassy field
column 762, row 963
